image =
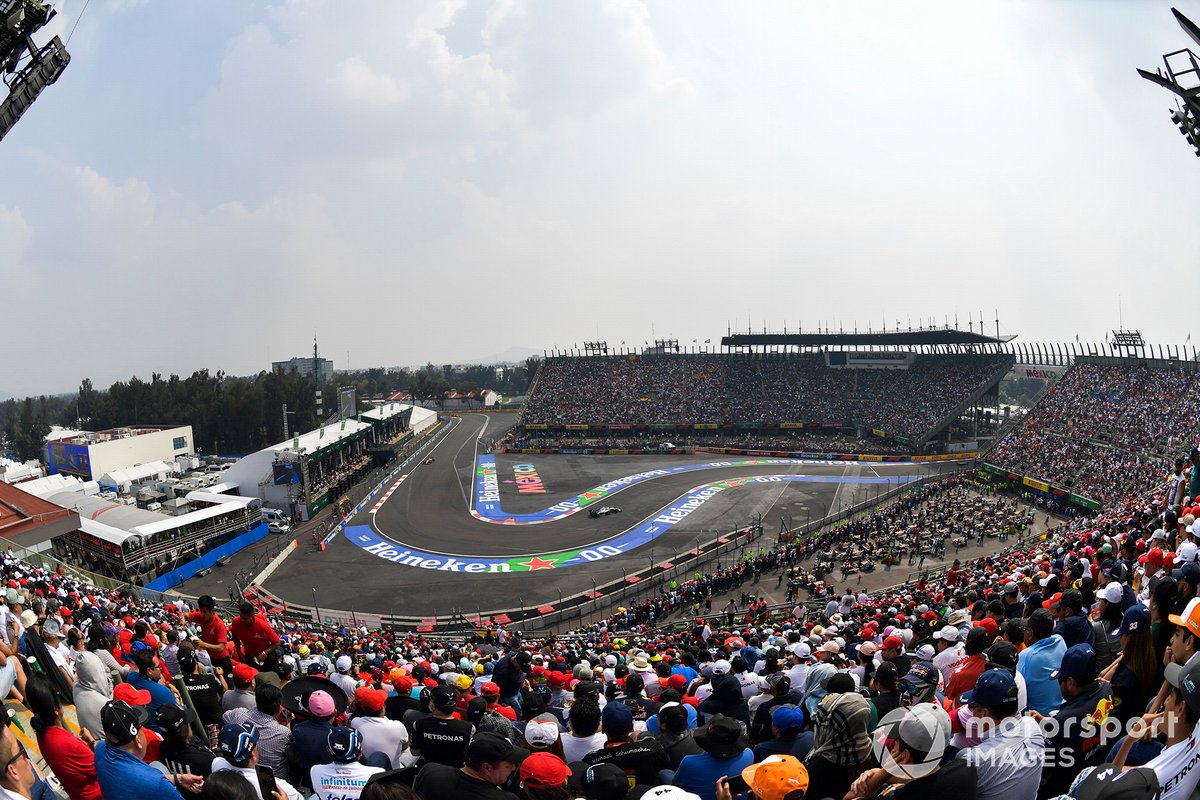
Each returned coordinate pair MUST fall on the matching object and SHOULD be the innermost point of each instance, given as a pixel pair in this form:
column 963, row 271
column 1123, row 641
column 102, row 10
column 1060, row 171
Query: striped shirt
column 273, row 738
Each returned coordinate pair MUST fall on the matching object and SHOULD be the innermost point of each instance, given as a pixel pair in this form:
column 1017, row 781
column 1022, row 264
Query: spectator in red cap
column 544, row 777
column 380, row 735
column 893, row 650
column 557, row 681
column 242, row 694
column 491, row 693
column 401, row 700
column 1151, row 564
column 131, row 696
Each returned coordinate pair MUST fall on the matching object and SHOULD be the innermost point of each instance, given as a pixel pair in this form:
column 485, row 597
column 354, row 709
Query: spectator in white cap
column 801, row 653
column 1187, row 551
column 949, row 650
column 342, row 677
column 1106, row 623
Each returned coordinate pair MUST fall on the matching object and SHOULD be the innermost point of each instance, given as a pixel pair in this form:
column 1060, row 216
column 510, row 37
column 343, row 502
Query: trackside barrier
column 279, row 558
column 427, row 438
column 480, row 410
column 431, row 434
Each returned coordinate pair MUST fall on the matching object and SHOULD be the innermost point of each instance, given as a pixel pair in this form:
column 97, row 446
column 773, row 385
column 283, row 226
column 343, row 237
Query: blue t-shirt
column 685, row 671
column 159, row 696
column 652, row 725
column 698, row 774
column 123, row 776
column 1035, row 664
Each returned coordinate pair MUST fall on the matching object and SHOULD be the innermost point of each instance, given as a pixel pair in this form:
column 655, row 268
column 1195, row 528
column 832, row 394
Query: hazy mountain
column 513, row 355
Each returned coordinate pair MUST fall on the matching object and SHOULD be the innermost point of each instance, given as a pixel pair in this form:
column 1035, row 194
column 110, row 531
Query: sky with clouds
column 212, row 184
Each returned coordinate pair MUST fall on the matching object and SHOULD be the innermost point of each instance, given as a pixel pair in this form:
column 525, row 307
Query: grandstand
column 313, row 469
column 1110, row 427
column 903, row 394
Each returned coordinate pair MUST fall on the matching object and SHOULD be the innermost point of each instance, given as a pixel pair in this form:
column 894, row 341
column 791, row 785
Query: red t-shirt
column 72, row 761
column 964, row 677
column 212, row 632
column 255, row 637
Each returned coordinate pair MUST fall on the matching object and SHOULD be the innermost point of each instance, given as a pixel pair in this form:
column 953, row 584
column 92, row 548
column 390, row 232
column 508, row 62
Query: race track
column 473, row 531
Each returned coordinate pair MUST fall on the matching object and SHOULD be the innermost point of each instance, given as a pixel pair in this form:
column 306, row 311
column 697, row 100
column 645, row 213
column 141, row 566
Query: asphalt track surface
column 431, row 510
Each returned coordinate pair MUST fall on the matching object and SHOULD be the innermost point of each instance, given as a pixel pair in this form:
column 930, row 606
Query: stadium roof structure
column 923, row 337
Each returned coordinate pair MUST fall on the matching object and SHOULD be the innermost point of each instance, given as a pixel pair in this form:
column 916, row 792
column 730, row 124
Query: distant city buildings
column 304, row 366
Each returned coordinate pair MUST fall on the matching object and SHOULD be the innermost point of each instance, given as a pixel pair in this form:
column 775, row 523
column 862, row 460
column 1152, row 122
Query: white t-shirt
column 946, row 660
column 345, row 682
column 798, row 675
column 382, row 735
column 1177, row 768
column 340, row 781
column 749, row 682
column 576, row 747
column 59, row 655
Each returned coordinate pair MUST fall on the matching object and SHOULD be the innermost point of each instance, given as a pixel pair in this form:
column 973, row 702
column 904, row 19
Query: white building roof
column 142, row 471
column 57, row 433
column 386, row 410
column 202, row 496
column 163, row 523
column 43, row 487
column 114, row 515
column 101, row 531
column 311, row 442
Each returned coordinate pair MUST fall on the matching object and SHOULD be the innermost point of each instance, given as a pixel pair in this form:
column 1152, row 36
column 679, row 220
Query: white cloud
column 503, row 172
column 364, row 85
column 15, row 236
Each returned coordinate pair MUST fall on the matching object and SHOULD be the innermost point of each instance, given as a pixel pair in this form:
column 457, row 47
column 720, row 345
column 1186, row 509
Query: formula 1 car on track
column 429, row 460
column 603, row 511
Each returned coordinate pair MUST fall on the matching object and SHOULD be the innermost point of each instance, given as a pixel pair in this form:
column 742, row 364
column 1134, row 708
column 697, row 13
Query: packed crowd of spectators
column 943, row 515
column 792, row 442
column 1104, row 431
column 661, row 389
column 1060, row 665
column 964, row 683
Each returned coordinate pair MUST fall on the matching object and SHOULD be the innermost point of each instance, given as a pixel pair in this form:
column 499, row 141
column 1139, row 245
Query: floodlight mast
column 1182, row 78
column 19, row 19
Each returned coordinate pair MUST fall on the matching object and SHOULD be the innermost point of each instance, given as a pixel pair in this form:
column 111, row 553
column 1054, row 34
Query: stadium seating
column 741, row 389
column 1105, row 432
